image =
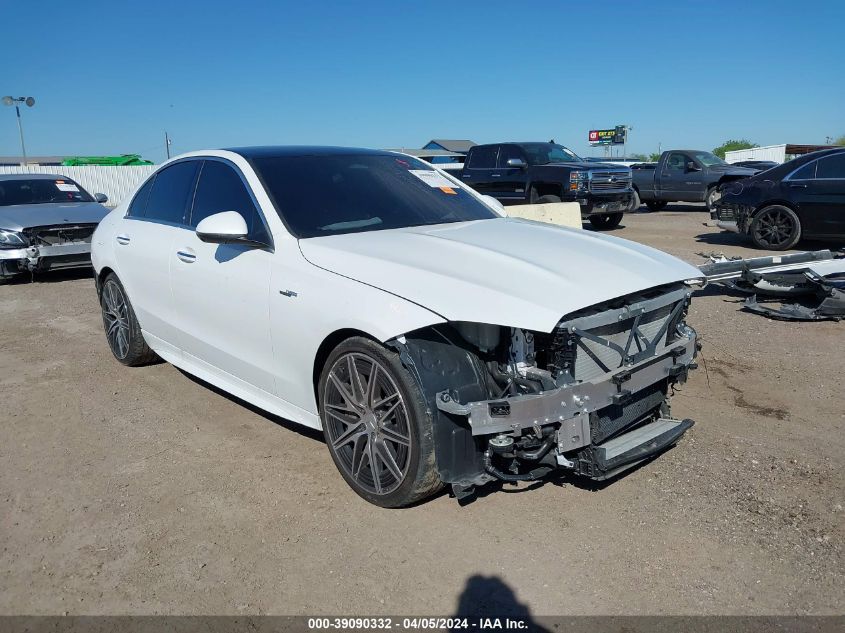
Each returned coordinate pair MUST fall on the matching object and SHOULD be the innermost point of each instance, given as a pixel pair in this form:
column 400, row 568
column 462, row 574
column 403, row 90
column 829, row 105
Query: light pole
column 29, row 101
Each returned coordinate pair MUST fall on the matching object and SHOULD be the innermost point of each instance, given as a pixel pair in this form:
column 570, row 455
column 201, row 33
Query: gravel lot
column 144, row 491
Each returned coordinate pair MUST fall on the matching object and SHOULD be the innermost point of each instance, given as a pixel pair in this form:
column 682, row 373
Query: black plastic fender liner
column 440, row 364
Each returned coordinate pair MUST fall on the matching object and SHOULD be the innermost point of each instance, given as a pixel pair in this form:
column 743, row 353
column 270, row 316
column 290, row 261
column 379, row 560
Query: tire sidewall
column 796, row 236
column 419, row 422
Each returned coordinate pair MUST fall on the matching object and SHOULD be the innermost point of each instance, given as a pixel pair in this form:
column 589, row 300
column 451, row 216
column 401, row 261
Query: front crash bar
column 572, row 404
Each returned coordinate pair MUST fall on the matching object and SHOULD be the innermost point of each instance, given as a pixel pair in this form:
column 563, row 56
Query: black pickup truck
column 683, row 175
column 527, row 173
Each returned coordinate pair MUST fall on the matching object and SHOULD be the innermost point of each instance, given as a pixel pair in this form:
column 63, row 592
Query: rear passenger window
column 483, row 157
column 831, row 167
column 807, row 172
column 139, row 203
column 220, row 188
column 171, row 192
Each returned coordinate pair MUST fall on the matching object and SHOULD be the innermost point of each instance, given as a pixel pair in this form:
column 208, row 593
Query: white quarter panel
column 324, row 303
column 503, row 271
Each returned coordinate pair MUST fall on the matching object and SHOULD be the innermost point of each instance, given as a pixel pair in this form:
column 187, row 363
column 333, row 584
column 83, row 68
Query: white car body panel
column 252, row 324
column 505, row 271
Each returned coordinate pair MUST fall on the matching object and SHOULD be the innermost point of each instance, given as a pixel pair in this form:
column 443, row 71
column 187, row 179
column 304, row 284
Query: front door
column 221, row 291
column 511, row 182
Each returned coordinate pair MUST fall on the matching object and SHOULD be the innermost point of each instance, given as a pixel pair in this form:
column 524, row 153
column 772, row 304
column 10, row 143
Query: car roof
column 33, row 177
column 268, row 151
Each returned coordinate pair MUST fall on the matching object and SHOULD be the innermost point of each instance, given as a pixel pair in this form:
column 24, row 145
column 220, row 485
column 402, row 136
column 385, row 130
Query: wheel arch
column 325, row 348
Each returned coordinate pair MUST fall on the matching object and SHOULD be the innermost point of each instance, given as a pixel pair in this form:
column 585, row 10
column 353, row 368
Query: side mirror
column 497, row 206
column 691, row 166
column 101, row 198
column 516, row 163
column 227, row 227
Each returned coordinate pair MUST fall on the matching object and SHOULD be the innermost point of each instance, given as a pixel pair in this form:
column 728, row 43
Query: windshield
column 332, row 194
column 546, row 153
column 41, row 191
column 707, row 159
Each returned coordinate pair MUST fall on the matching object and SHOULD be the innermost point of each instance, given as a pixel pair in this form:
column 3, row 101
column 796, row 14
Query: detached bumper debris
column 814, row 280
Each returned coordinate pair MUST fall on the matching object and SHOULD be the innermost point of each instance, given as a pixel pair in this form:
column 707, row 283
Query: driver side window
column 219, row 189
column 676, row 162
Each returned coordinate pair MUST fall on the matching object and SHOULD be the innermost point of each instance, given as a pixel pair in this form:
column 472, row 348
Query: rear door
column 221, row 291
column 818, row 189
column 480, row 171
column 144, row 245
column 511, row 182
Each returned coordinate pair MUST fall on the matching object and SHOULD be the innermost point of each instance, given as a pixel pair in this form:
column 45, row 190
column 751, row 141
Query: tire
column 635, row 202
column 547, row 199
column 385, row 421
column 123, row 332
column 606, row 222
column 656, row 205
column 776, row 228
column 710, row 198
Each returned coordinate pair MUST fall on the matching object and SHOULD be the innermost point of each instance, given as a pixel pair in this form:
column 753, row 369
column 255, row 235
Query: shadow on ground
column 491, row 597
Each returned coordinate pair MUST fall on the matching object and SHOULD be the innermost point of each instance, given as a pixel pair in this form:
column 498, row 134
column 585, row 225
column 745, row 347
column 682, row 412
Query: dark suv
column 523, row 173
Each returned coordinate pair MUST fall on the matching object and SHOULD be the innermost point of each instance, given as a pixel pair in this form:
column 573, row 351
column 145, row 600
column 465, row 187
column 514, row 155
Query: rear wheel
column 776, row 227
column 123, row 332
column 606, row 222
column 656, row 205
column 376, row 426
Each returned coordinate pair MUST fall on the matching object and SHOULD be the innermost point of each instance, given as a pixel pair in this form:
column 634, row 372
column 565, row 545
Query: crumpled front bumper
column 571, row 405
column 40, row 258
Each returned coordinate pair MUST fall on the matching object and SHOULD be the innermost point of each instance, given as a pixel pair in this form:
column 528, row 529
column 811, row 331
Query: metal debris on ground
column 816, row 279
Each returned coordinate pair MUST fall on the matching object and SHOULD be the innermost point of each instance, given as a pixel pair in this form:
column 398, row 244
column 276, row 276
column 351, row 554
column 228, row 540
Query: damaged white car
column 369, row 295
column 46, row 223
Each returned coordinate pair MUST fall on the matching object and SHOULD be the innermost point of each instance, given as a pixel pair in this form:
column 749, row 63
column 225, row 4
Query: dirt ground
column 143, row 491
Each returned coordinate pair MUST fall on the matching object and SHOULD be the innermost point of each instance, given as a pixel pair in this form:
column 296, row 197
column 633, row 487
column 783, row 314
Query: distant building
column 452, row 146
column 32, row 160
column 778, row 153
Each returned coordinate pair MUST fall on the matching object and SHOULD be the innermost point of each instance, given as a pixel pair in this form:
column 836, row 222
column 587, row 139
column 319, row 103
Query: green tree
column 654, row 157
column 729, row 146
column 640, row 157
column 840, row 141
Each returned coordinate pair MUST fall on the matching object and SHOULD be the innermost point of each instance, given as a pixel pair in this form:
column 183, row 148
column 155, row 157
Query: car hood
column 730, row 170
column 504, row 271
column 17, row 217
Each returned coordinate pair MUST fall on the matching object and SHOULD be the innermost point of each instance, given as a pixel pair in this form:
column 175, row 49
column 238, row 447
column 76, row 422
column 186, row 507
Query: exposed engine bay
column 591, row 396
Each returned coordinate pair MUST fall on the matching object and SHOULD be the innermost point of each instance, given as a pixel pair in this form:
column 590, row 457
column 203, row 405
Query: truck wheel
column 606, row 222
column 710, row 198
column 377, row 426
column 776, row 227
column 635, row 202
column 656, row 205
column 547, row 199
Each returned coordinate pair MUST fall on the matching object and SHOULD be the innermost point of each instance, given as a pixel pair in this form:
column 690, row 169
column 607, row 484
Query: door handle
column 796, row 185
column 496, row 175
column 122, row 239
column 186, row 255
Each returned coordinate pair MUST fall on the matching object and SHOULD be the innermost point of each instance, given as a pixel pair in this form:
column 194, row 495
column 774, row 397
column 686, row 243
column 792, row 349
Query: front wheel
column 376, row 425
column 711, row 197
column 606, row 222
column 635, row 202
column 123, row 332
column 548, row 199
column 776, row 227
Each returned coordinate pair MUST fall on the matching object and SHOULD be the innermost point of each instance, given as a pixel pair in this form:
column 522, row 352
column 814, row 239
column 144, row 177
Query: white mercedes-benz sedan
column 365, row 293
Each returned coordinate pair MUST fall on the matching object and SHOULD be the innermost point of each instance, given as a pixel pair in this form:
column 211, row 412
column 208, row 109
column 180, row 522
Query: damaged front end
column 43, row 248
column 590, row 397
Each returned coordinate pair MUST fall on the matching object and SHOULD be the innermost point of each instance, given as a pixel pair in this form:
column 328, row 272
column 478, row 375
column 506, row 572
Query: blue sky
column 110, row 77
